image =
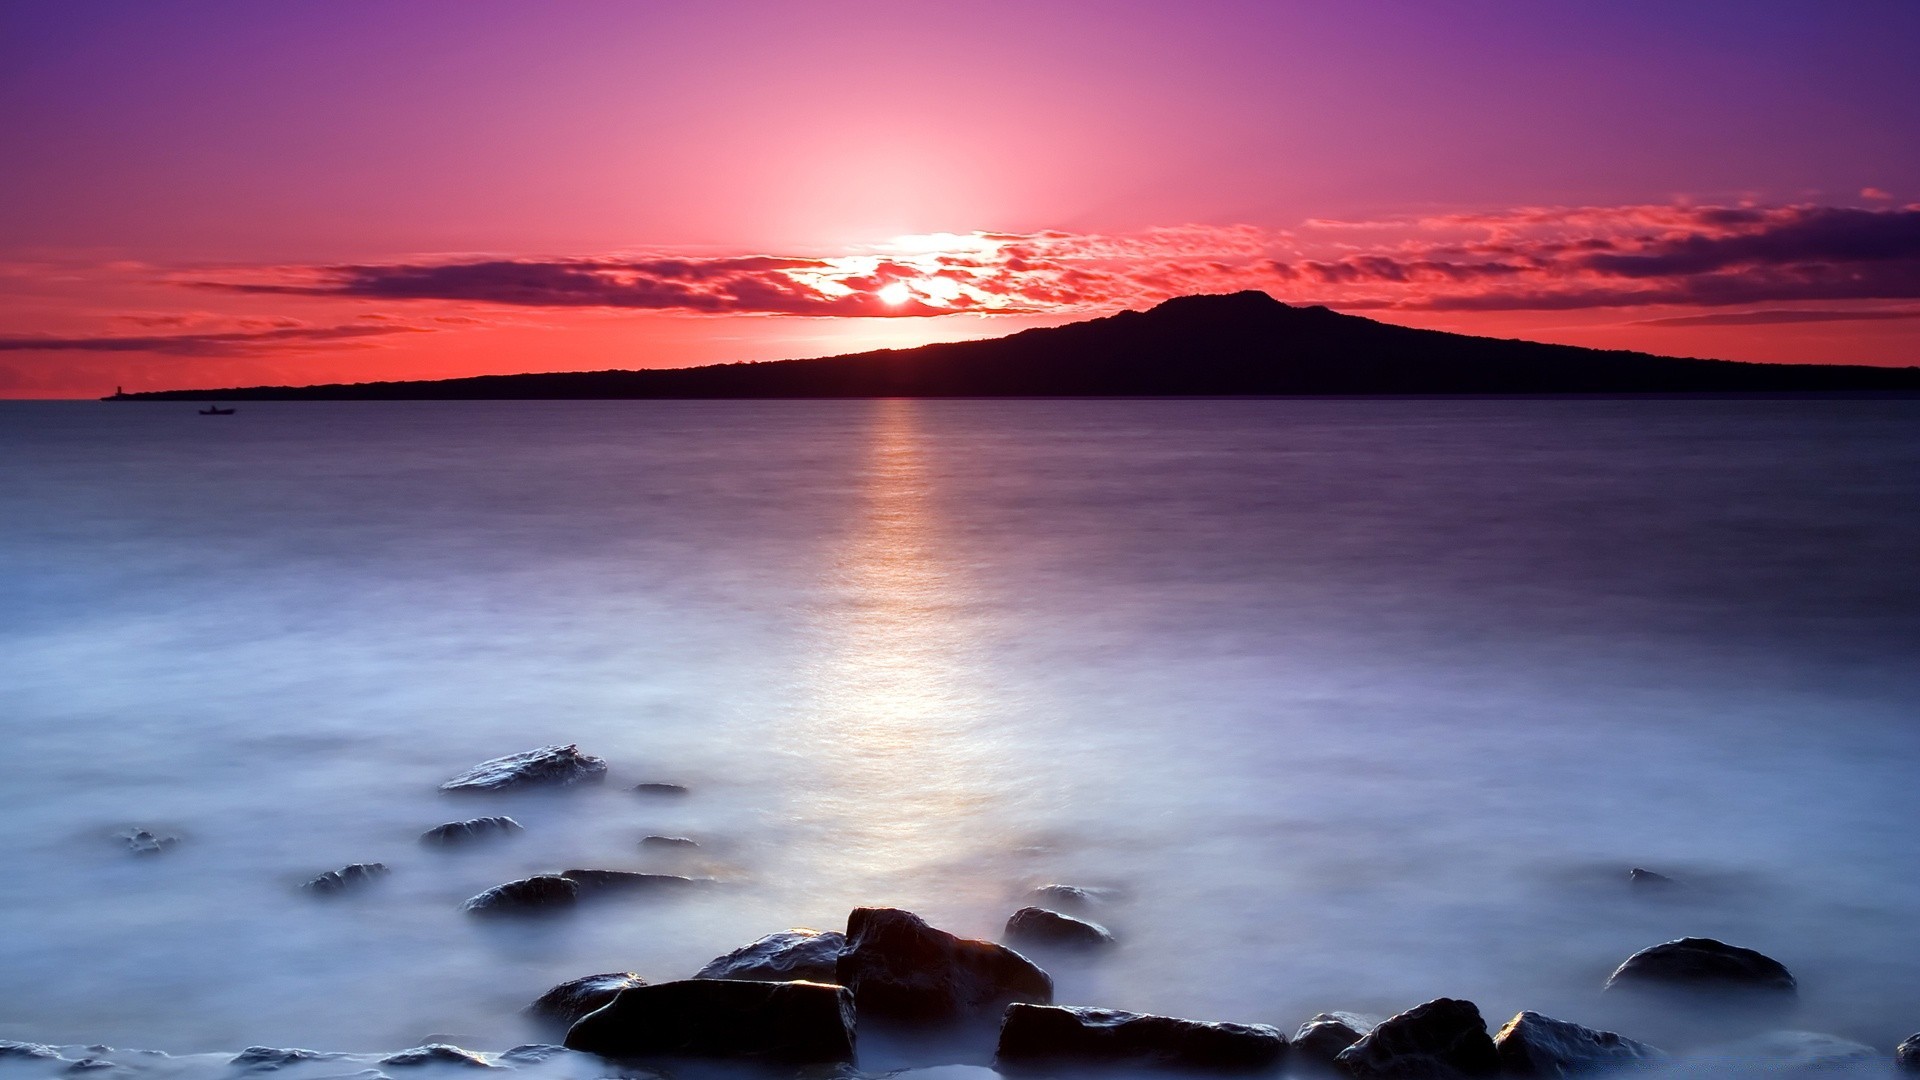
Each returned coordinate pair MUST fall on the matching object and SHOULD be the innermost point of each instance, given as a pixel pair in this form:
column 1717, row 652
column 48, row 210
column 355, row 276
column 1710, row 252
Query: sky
column 216, row 194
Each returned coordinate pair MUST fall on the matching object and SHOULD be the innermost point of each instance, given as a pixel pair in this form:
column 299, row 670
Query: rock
column 1322, row 1037
column 85, row 1065
column 898, row 966
column 671, row 790
column 1105, row 1036
column 1794, row 1053
column 549, row 765
column 810, row 955
column 529, row 1053
column 143, row 842
column 785, row 1021
column 622, row 880
column 575, row 998
column 438, row 1054
column 1703, row 963
column 542, row 892
column 1647, row 879
column 1073, row 897
column 1907, row 1054
column 1536, row 1045
column 347, row 877
column 667, row 842
column 460, row 832
column 25, row 1050
column 268, row 1058
column 1038, row 926
column 1440, row 1040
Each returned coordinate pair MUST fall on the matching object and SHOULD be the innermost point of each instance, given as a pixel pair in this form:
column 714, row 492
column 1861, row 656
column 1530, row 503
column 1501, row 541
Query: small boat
column 215, row 410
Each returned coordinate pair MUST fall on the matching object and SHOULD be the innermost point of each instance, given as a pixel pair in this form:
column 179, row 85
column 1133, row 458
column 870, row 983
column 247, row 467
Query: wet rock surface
column 1054, row 1033
column 454, row 833
column 1534, row 1045
column 667, row 842
column 546, row 766
column 146, row 842
column 350, row 876
column 575, row 998
column 1324, row 1035
column 624, row 880
column 782, row 1021
column 1071, row 897
column 437, row 1054
column 1039, row 926
column 1444, row 1039
column 898, row 966
column 811, row 955
column 26, row 1050
column 663, row 790
column 1907, row 1054
column 268, row 1058
column 1647, row 879
column 544, row 892
column 1702, row 964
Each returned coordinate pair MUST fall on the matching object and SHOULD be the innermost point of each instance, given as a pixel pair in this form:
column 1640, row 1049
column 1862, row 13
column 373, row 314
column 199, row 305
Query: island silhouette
column 1244, row 343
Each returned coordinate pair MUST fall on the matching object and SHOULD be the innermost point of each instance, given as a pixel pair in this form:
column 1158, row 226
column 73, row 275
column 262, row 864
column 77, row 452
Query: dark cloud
column 228, row 343
column 1799, row 237
column 1764, row 318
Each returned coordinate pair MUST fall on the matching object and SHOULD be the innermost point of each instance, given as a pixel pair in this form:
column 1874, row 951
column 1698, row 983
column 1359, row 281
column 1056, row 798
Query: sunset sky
column 219, row 194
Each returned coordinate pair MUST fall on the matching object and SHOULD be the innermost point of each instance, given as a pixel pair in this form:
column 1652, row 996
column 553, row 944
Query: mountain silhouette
column 1240, row 344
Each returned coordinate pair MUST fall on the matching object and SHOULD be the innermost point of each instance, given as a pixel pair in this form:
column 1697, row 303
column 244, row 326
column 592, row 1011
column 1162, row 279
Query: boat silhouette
column 215, row 410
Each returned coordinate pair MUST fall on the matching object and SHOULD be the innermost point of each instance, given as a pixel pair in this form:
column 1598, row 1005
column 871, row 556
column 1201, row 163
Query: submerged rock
column 347, row 877
column 1907, row 1054
column 1324, row 1035
column 26, row 1050
column 548, row 765
column 1534, row 1045
column 898, row 966
column 667, row 842
column 530, row 1053
column 438, row 1054
column 1702, row 964
column 1794, row 1053
column 144, row 842
column 1647, row 879
column 810, row 955
column 460, row 832
column 784, row 1021
column 268, row 1058
column 1443, row 1039
column 575, row 998
column 85, row 1065
column 1074, row 897
column 542, row 892
column 1031, row 1033
column 1039, row 926
column 623, row 880
column 672, row 790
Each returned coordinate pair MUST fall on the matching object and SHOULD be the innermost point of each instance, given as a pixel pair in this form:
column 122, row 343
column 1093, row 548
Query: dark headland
column 1241, row 344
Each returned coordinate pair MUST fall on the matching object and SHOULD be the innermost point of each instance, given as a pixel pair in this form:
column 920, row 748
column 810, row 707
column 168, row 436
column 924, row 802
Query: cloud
column 1766, row 318
column 223, row 343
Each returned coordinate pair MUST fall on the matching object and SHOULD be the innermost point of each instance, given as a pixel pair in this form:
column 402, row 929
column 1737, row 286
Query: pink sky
column 209, row 194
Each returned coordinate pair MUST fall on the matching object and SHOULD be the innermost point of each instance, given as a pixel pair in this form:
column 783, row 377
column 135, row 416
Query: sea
column 1345, row 703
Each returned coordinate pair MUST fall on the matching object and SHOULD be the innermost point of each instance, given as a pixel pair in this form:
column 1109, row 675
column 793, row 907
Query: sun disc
column 895, row 293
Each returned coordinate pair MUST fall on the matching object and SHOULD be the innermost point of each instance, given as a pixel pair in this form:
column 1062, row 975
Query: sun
column 895, row 293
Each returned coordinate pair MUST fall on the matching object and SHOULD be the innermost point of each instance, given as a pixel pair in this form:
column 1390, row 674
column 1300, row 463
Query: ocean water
column 1353, row 703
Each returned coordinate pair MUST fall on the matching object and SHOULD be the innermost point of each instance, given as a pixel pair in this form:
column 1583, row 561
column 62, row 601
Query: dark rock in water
column 1322, row 1037
column 621, row 880
column 438, row 1054
column 544, row 892
column 460, row 832
column 898, row 966
column 528, row 1053
column 667, row 842
column 549, row 765
column 347, row 877
column 1075, row 1035
column 1536, row 1045
column 784, row 1021
column 1702, row 964
column 810, row 955
column 268, row 1058
column 1795, row 1053
column 1038, row 926
column 89, row 1065
column 1647, row 879
column 143, row 842
column 575, row 998
column 660, row 789
column 1907, row 1054
column 1441, row 1040
column 25, row 1050
column 1074, row 897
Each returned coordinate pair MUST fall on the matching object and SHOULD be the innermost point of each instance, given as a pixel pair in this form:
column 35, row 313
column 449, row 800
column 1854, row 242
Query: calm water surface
column 1357, row 703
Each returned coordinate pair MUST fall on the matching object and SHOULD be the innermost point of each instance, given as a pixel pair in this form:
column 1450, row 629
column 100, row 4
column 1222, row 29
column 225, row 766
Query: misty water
column 1353, row 703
